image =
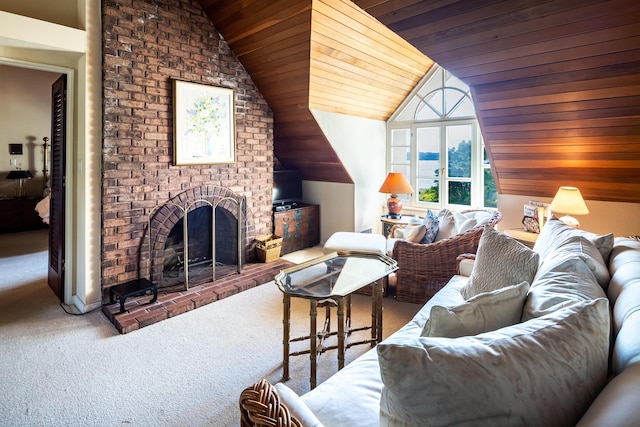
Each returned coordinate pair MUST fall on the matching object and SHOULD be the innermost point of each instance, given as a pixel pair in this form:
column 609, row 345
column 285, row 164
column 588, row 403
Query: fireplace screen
column 198, row 242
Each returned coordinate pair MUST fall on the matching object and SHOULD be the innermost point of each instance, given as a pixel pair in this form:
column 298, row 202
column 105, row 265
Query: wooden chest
column 299, row 227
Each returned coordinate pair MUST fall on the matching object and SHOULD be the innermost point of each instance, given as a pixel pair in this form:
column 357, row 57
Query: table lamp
column 395, row 183
column 20, row 175
column 569, row 201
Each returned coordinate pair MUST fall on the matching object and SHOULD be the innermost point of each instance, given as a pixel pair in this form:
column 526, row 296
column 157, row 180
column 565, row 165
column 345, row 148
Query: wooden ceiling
column 317, row 54
column 556, row 85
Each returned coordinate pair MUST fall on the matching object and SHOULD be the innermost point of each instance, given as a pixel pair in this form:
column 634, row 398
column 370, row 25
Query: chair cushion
column 542, row 372
column 446, row 225
column 482, row 313
column 500, row 261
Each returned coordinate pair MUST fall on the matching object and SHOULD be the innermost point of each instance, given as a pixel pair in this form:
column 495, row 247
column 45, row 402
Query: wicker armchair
column 424, row 269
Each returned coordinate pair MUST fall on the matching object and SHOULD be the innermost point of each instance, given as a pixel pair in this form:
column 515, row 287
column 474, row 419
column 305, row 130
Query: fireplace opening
column 200, row 254
column 198, row 237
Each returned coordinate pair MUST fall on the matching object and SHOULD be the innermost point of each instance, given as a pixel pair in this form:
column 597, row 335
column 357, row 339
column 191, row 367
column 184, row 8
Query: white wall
column 621, row 219
column 361, row 145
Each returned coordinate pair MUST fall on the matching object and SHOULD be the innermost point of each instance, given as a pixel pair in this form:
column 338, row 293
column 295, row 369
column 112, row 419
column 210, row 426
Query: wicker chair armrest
column 260, row 406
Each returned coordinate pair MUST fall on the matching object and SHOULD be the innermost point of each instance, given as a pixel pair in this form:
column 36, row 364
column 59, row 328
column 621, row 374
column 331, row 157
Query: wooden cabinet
column 19, row 215
column 298, row 226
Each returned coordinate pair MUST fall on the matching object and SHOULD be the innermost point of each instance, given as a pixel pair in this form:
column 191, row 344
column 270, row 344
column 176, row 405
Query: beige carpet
column 67, row 370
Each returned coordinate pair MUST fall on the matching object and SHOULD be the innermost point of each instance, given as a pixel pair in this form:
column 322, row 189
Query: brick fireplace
column 146, row 44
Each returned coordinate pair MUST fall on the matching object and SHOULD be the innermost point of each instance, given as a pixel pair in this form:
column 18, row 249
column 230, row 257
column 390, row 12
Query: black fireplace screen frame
column 163, row 212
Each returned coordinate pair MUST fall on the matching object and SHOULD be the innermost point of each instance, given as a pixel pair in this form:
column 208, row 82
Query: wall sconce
column 569, row 201
column 395, row 183
column 20, row 175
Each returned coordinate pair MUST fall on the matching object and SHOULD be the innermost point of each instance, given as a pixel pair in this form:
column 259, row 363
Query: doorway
column 27, row 122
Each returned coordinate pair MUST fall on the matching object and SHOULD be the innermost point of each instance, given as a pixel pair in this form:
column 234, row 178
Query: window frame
column 477, row 150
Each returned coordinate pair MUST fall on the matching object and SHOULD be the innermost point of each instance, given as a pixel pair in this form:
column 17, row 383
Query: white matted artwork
column 204, row 124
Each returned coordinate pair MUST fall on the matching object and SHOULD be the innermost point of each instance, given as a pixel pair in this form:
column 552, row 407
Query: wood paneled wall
column 556, row 85
column 317, row 54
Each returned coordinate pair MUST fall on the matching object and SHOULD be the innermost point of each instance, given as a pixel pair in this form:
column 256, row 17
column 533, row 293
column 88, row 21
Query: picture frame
column 203, row 123
column 15, row 149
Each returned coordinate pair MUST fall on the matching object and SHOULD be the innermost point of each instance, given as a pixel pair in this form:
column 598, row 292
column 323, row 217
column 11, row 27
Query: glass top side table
column 329, row 281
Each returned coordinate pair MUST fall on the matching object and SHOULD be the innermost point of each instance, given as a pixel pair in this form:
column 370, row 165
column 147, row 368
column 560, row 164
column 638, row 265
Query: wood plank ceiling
column 556, row 85
column 317, row 54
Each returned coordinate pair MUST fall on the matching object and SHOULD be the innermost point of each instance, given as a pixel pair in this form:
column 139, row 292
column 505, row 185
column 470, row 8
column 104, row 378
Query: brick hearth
column 170, row 304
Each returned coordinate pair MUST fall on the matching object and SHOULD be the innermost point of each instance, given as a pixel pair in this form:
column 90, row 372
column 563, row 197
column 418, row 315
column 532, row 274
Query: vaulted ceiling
column 556, row 83
column 317, row 54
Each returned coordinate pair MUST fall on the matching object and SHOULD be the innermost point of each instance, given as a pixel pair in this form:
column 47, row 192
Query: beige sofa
column 558, row 349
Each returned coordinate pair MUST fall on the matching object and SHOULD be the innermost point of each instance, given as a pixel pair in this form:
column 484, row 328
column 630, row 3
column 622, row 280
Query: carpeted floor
column 69, row 370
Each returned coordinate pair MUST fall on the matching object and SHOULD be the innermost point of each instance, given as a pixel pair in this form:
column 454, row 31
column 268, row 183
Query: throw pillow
column 583, row 248
column 464, row 222
column 446, row 225
column 546, row 371
column 556, row 232
column 482, row 313
column 560, row 281
column 500, row 261
column 415, row 234
column 431, row 223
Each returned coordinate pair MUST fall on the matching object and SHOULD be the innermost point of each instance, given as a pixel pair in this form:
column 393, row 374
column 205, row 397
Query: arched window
column 434, row 139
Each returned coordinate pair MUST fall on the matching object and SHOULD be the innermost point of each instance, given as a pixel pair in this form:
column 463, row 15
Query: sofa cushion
column 561, row 280
column 446, row 225
column 464, row 222
column 542, row 372
column 482, row 313
column 555, row 233
column 500, row 261
column 583, row 248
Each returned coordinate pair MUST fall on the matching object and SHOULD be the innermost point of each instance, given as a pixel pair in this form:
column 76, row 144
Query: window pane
column 435, row 101
column 428, row 190
column 400, row 155
column 465, row 109
column 460, row 193
column 400, row 137
column 428, row 142
column 490, row 191
column 426, row 113
column 485, row 157
column 459, row 151
column 452, row 98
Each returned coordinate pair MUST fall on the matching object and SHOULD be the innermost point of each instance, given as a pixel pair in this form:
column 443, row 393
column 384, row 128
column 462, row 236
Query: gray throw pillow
column 500, row 261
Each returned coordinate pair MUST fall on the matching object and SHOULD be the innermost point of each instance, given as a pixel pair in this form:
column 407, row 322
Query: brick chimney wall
column 146, row 44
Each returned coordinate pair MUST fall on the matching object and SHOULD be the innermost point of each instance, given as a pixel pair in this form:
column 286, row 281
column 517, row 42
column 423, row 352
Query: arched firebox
column 197, row 237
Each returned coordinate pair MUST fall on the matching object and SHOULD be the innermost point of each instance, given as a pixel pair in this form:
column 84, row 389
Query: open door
column 57, row 177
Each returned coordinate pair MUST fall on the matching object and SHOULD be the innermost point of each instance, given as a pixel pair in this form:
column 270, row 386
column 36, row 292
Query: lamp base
column 394, row 206
column 570, row 221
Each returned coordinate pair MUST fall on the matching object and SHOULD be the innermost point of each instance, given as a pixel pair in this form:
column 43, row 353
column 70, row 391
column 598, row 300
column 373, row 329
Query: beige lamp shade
column 395, row 184
column 569, row 201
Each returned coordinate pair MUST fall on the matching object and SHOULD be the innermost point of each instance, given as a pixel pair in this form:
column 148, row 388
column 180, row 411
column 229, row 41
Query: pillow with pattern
column 500, row 261
column 431, row 222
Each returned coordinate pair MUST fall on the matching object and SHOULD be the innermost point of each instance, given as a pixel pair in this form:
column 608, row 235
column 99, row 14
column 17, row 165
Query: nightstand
column 525, row 237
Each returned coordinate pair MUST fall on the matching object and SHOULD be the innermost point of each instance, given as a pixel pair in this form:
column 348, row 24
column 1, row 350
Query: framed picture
column 203, row 123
